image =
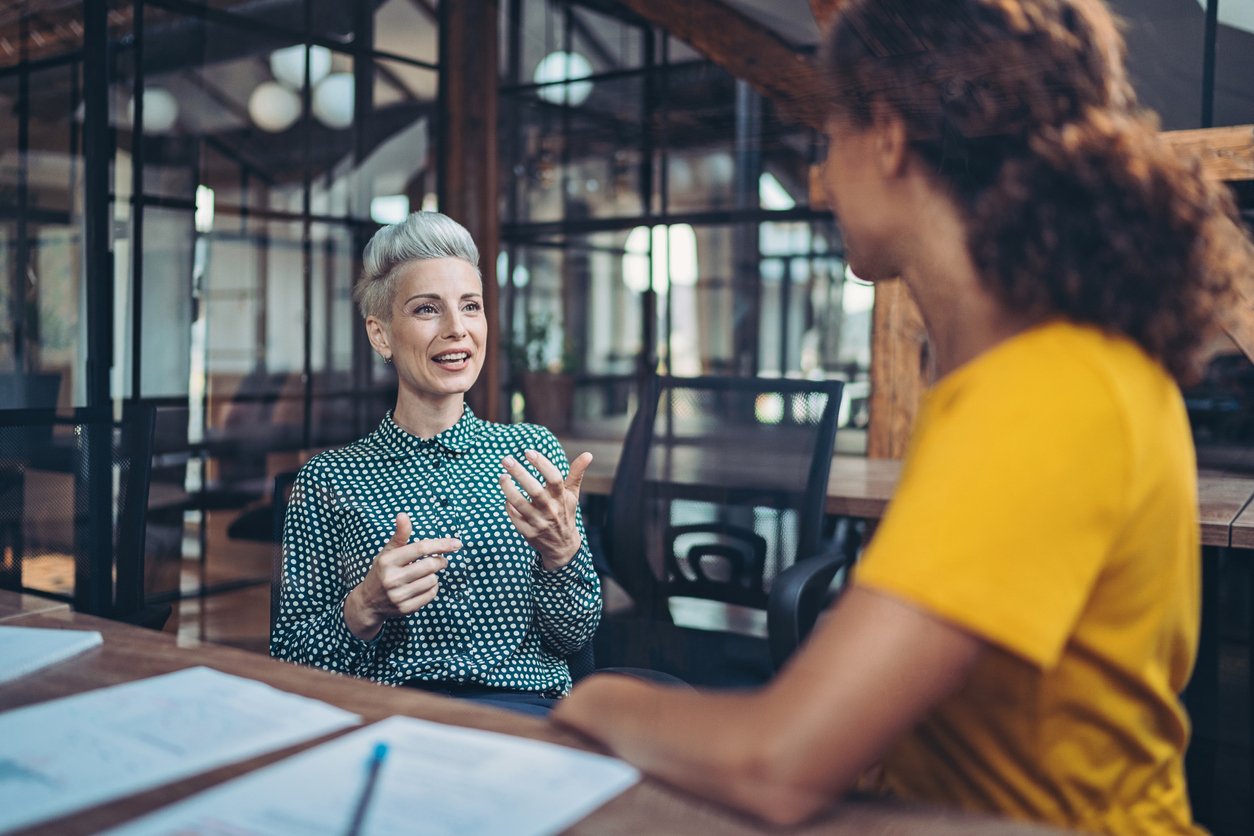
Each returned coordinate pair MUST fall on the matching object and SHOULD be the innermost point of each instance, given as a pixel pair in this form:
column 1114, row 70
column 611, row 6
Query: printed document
column 24, row 650
column 61, row 756
column 436, row 779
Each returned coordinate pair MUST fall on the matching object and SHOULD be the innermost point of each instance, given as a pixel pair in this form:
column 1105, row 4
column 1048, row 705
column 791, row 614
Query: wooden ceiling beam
column 746, row 49
column 1226, row 153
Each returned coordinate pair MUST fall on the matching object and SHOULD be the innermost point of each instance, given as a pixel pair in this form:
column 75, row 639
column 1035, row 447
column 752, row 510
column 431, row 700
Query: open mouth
column 452, row 358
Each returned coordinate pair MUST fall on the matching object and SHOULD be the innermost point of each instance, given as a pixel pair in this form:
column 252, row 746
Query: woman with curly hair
column 1018, row 632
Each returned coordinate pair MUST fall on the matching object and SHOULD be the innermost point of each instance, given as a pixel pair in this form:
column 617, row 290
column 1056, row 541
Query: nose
column 455, row 326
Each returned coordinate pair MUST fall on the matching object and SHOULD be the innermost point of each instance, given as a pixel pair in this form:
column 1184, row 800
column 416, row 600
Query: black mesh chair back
column 721, row 486
column 73, row 501
column 282, row 492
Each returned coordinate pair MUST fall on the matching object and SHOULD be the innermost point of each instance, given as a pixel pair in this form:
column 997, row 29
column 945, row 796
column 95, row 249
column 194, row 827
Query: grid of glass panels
column 657, row 213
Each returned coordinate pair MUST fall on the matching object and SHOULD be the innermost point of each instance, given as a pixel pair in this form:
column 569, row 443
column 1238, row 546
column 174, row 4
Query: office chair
column 73, row 504
column 798, row 596
column 281, row 493
column 721, row 486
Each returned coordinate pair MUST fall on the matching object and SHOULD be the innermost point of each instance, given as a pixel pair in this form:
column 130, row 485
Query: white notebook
column 24, row 650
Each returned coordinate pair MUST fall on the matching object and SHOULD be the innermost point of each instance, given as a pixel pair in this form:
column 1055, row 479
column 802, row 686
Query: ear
column 377, row 333
column 891, row 148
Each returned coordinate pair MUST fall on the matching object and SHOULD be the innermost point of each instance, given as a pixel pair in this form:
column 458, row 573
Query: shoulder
column 517, row 438
column 1035, row 407
column 520, row 433
column 1056, row 381
column 340, row 461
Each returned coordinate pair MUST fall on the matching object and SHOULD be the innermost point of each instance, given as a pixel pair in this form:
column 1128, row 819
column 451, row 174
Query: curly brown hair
column 1073, row 206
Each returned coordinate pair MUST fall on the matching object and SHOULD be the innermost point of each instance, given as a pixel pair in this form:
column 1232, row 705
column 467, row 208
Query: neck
column 963, row 318
column 427, row 417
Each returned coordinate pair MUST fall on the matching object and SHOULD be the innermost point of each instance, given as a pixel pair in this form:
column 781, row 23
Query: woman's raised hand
column 401, row 580
column 547, row 519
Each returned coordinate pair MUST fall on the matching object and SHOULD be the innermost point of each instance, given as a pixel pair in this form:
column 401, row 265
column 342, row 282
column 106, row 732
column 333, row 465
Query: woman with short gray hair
column 442, row 551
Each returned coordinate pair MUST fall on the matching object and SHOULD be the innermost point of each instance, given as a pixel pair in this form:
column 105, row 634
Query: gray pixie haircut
column 420, row 237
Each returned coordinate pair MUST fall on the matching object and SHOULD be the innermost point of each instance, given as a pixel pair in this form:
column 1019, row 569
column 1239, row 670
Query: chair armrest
column 797, row 597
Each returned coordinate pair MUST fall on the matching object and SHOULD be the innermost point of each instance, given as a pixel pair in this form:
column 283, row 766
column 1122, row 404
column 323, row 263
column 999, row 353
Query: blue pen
column 373, row 765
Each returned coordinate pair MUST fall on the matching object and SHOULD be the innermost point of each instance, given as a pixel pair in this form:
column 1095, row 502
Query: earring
column 387, row 361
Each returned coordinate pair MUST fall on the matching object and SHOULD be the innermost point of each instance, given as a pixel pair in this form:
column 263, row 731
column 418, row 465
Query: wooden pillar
column 468, row 150
column 899, row 369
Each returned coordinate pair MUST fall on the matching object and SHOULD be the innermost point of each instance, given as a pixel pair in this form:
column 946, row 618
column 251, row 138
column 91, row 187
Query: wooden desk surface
column 131, row 653
column 15, row 605
column 1221, row 498
column 859, row 487
column 1242, row 531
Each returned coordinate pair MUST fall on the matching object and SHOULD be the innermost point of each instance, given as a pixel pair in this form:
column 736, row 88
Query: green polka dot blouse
column 500, row 619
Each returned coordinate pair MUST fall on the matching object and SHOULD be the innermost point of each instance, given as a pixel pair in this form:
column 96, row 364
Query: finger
column 523, row 477
column 578, row 469
column 418, row 602
column 418, row 569
column 524, row 526
column 438, row 545
column 404, row 530
column 514, row 497
column 552, row 476
column 412, row 590
column 403, row 555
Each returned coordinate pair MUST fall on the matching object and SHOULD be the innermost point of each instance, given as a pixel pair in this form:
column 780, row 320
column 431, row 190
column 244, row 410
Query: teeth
column 455, row 357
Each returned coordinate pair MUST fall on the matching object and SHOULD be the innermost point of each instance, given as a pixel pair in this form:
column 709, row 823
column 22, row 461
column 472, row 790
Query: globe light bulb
column 161, row 110
column 288, row 65
column 564, row 66
column 273, row 107
column 333, row 100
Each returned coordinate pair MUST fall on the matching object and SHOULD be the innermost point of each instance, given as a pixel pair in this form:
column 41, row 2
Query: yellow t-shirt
column 1048, row 506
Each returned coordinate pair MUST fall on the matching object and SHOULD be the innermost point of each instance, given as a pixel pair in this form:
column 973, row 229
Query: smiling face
column 438, row 334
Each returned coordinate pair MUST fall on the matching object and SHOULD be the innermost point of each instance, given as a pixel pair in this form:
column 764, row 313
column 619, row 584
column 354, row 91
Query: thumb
column 404, row 529
column 578, row 468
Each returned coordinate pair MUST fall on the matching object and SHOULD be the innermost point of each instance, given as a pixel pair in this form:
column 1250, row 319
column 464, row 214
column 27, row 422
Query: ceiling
column 1165, row 39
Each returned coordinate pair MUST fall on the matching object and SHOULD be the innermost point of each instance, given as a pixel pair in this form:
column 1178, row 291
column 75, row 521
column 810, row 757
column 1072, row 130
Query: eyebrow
column 437, row 296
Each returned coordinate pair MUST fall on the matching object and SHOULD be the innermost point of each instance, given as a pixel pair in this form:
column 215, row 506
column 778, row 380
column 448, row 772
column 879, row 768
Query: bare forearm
column 871, row 670
column 719, row 746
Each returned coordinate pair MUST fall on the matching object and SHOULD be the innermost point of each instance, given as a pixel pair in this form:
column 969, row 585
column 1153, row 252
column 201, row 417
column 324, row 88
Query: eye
column 472, row 306
column 425, row 309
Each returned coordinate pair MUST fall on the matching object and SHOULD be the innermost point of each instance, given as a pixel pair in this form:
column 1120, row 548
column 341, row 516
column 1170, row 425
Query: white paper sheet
column 60, row 756
column 27, row 649
column 437, row 779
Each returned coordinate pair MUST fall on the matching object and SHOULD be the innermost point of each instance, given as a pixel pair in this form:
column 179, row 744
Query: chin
column 870, row 270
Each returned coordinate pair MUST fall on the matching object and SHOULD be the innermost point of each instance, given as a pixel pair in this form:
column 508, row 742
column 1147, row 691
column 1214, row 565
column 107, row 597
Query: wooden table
column 1242, row 528
column 857, row 487
column 860, row 487
column 131, row 653
column 1223, row 499
column 15, row 605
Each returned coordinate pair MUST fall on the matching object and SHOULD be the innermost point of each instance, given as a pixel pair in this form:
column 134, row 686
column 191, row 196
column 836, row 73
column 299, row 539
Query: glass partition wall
column 656, row 216
column 185, row 190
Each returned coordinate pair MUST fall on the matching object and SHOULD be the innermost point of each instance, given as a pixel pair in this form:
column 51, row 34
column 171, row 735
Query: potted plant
column 544, row 374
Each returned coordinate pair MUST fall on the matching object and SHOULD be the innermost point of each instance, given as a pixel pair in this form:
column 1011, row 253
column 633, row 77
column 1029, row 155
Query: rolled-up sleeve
column 310, row 628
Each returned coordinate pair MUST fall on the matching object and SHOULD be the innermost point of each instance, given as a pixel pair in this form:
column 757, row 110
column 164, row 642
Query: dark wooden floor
column 240, row 617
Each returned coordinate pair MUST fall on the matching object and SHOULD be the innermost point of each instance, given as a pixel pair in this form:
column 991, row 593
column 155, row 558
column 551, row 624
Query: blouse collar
column 458, row 438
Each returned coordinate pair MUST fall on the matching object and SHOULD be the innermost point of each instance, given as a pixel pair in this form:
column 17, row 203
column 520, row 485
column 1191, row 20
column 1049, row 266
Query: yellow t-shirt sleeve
column 1007, row 507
